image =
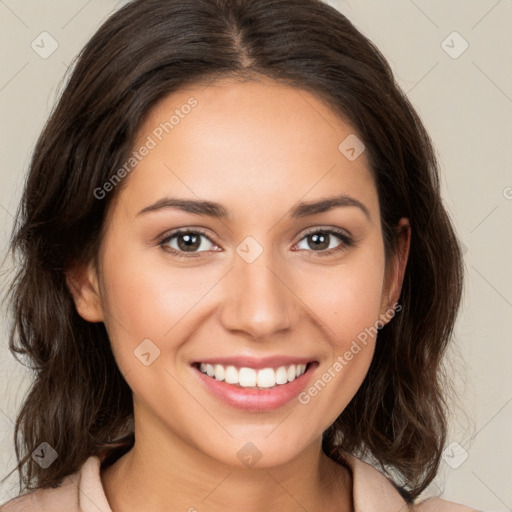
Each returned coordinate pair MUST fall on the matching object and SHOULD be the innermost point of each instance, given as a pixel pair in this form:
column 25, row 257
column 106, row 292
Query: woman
column 237, row 275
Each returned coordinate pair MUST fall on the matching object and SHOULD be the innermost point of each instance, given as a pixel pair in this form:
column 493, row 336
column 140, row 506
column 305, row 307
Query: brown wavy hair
column 79, row 402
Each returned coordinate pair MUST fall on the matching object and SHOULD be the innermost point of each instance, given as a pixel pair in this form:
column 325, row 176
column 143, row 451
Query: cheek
column 147, row 298
column 349, row 307
column 148, row 301
column 346, row 298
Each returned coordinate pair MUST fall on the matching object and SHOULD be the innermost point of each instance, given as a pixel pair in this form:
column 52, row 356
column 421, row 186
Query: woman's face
column 259, row 285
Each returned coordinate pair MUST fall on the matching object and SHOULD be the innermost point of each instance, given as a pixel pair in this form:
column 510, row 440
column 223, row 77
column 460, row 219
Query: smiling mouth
column 251, row 378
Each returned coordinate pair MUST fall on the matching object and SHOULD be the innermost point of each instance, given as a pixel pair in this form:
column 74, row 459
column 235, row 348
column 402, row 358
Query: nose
column 259, row 299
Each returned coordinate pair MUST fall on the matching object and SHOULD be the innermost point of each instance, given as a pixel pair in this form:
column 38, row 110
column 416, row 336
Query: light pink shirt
column 83, row 492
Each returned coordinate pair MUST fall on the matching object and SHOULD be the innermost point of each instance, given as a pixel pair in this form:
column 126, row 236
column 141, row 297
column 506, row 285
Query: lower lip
column 256, row 400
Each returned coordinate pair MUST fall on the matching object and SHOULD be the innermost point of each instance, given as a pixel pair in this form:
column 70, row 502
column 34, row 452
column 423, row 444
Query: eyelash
column 346, row 241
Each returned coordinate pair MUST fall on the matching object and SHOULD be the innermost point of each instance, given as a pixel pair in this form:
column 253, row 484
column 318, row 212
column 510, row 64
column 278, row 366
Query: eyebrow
column 216, row 210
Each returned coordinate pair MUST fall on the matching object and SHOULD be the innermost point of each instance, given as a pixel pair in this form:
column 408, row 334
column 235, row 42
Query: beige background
column 466, row 104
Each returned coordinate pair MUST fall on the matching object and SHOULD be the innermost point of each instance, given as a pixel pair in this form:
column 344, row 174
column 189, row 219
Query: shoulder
column 79, row 492
column 375, row 492
column 439, row 505
column 63, row 497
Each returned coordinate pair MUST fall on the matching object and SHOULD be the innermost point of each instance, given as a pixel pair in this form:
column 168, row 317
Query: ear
column 396, row 267
column 82, row 281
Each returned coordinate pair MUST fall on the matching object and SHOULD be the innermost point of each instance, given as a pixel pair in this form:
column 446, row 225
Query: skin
column 257, row 148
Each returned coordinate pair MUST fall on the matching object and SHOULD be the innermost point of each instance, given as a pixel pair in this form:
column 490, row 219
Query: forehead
column 221, row 140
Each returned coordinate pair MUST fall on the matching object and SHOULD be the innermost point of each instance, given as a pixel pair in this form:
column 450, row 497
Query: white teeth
column 266, row 378
column 231, row 375
column 281, row 375
column 249, row 377
column 219, row 372
column 291, row 373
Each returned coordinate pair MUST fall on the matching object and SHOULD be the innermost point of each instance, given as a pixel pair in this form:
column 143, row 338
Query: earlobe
column 82, row 282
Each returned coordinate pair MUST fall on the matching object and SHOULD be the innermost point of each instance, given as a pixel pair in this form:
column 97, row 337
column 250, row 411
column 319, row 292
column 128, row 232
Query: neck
column 163, row 472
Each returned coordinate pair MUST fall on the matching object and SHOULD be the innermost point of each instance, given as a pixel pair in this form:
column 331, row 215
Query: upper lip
column 256, row 362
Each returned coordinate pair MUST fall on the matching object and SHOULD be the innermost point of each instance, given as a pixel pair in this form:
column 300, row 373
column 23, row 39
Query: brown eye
column 318, row 241
column 186, row 241
column 323, row 241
